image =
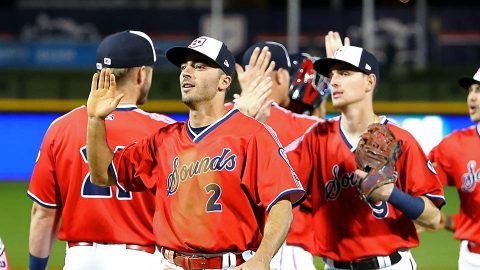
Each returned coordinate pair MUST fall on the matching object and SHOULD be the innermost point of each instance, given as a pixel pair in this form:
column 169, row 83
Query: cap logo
column 338, row 52
column 99, row 66
column 226, row 63
column 368, row 67
column 107, row 61
column 197, row 42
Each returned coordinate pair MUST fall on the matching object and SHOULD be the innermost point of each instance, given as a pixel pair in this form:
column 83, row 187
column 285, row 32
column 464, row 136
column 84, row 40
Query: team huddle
column 263, row 182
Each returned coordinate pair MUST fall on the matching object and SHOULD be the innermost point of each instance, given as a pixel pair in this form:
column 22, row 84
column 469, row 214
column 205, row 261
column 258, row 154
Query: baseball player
column 457, row 161
column 3, row 257
column 99, row 224
column 288, row 126
column 215, row 176
column 349, row 233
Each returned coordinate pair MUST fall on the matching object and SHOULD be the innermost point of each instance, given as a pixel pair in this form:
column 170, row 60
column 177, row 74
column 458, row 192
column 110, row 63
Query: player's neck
column 355, row 120
column 129, row 96
column 205, row 114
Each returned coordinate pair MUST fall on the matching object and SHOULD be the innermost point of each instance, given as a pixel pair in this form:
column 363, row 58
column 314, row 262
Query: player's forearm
column 276, row 229
column 99, row 155
column 430, row 216
column 43, row 230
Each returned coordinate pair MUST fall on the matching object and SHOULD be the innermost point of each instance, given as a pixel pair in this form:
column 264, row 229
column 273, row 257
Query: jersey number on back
column 90, row 190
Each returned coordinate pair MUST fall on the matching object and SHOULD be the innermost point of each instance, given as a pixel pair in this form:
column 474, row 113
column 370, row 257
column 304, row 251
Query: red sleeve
column 416, row 173
column 289, row 126
column 440, row 162
column 135, row 165
column 301, row 157
column 43, row 185
column 455, row 220
column 267, row 173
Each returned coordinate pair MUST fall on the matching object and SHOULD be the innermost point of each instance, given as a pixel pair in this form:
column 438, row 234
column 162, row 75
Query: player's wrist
column 411, row 206
column 37, row 263
column 95, row 118
column 449, row 223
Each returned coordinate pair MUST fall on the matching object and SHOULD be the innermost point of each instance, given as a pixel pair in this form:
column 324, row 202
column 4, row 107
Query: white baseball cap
column 359, row 58
column 206, row 46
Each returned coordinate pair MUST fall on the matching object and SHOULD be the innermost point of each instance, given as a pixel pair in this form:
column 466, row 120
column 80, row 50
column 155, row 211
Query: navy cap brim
column 177, row 56
column 324, row 65
column 466, row 82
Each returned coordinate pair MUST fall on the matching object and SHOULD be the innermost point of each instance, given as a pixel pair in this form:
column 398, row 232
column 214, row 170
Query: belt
column 197, row 261
column 366, row 264
column 474, row 247
column 145, row 248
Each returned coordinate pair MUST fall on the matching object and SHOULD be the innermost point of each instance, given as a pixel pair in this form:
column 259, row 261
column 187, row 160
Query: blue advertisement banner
column 22, row 135
column 51, row 55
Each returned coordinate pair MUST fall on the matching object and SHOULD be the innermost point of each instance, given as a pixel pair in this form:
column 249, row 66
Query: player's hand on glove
column 251, row 101
column 258, row 66
column 103, row 98
column 375, row 156
column 333, row 41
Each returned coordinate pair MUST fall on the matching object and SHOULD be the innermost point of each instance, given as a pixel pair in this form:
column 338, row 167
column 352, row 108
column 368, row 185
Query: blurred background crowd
column 47, row 47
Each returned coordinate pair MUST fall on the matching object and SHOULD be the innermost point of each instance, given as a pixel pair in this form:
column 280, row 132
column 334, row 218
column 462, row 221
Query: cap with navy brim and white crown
column 209, row 47
column 358, row 58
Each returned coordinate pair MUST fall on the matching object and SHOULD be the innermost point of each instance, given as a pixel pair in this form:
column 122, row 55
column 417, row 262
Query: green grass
column 438, row 250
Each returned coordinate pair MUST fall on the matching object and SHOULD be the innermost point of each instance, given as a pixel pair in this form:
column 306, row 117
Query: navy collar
column 125, row 107
column 348, row 142
column 198, row 137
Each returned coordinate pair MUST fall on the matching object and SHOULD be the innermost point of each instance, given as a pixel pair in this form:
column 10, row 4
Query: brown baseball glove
column 376, row 154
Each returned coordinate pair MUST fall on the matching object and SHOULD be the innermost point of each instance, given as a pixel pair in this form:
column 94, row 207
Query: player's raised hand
column 333, row 41
column 103, row 98
column 258, row 66
column 254, row 96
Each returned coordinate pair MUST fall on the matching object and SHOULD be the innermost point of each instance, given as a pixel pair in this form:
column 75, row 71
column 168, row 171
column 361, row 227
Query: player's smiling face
column 348, row 86
column 473, row 101
column 199, row 80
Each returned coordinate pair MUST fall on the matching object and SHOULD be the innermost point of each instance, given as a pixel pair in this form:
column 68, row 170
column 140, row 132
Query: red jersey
column 214, row 187
column 61, row 179
column 346, row 228
column 457, row 161
column 289, row 126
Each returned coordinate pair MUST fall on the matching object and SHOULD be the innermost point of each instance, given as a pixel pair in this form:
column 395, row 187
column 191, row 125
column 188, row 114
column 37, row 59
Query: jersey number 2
column 212, row 203
column 90, row 190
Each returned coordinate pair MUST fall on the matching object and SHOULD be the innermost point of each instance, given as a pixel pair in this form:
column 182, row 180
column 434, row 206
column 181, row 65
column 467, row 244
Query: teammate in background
column 457, row 161
column 306, row 93
column 215, row 175
column 294, row 253
column 99, row 224
column 349, row 233
column 3, row 257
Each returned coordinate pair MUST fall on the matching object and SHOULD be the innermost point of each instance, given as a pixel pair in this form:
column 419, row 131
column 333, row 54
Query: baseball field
column 437, row 251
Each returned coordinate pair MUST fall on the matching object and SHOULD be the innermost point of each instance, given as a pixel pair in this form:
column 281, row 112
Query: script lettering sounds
column 182, row 173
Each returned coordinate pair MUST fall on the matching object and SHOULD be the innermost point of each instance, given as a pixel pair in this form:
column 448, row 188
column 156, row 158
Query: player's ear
column 140, row 74
column 282, row 76
column 371, row 83
column 224, row 82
